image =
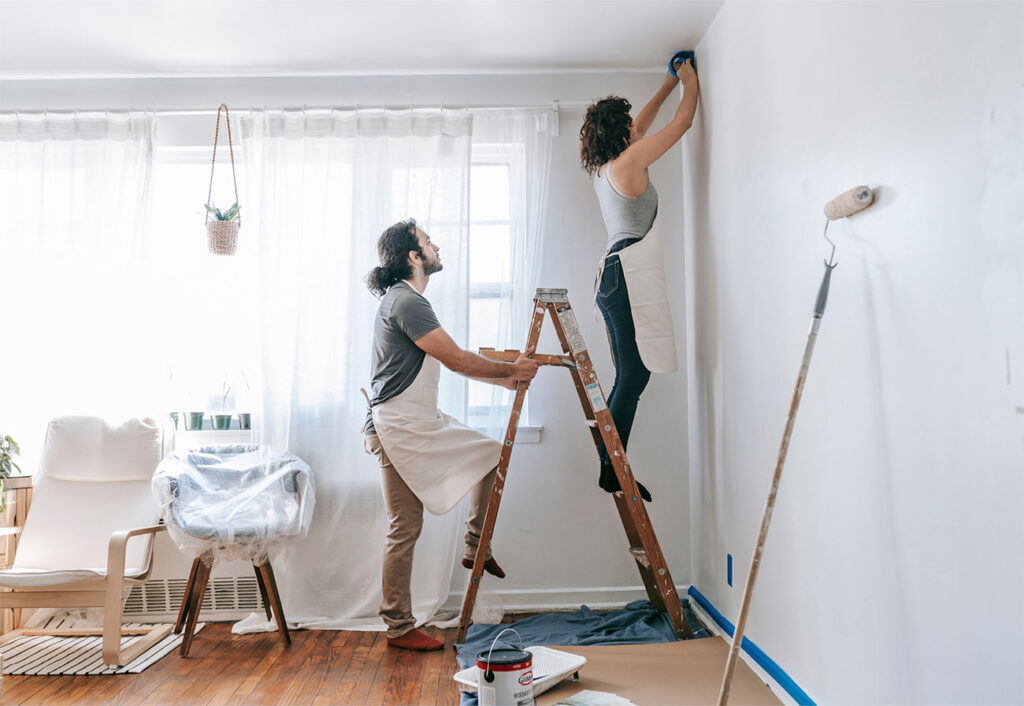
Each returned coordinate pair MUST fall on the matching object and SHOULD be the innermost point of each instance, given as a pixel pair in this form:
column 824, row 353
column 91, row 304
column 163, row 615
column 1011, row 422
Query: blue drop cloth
column 637, row 623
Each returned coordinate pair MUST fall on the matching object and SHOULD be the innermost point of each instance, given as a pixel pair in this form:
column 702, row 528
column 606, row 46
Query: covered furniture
column 89, row 536
column 234, row 502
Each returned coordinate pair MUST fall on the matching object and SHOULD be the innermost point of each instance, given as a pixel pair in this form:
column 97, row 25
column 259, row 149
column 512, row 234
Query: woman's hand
column 687, row 76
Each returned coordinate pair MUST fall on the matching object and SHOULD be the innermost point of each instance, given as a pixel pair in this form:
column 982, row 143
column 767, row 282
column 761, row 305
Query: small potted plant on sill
column 8, row 448
column 222, row 419
column 245, row 418
column 222, row 229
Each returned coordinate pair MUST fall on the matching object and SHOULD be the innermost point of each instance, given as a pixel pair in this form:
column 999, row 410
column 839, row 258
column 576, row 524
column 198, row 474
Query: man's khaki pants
column 405, row 520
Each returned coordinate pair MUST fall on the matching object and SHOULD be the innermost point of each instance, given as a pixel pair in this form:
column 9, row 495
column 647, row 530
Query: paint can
column 505, row 676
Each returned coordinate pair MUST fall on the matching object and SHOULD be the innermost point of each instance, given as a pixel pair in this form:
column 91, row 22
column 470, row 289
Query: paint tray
column 549, row 668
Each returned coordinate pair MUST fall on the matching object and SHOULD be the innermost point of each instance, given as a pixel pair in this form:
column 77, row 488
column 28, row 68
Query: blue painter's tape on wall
column 764, row 661
column 681, row 56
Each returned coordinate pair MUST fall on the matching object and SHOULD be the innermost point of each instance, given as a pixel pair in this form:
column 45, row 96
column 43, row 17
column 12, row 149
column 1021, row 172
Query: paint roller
column 842, row 206
column 849, row 202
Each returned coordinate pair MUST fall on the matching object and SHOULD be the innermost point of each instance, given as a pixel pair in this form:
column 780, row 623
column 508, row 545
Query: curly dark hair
column 393, row 248
column 605, row 132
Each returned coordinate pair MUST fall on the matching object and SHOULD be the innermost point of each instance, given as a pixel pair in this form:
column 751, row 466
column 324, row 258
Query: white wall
column 558, row 535
column 893, row 570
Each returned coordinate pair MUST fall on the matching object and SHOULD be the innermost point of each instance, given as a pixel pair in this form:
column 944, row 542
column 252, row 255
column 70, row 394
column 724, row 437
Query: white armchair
column 92, row 495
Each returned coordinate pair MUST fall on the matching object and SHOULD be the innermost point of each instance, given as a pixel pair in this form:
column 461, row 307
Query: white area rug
column 51, row 656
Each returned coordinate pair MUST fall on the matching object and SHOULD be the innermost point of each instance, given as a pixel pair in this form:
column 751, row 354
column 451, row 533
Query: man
column 426, row 457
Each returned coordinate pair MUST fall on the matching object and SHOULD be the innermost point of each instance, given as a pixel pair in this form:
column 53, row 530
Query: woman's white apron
column 642, row 265
column 438, row 457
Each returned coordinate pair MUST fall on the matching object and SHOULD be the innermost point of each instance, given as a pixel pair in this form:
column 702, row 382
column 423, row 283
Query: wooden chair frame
column 106, row 593
column 192, row 601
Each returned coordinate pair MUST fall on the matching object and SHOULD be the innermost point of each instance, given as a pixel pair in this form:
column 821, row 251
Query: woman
column 616, row 151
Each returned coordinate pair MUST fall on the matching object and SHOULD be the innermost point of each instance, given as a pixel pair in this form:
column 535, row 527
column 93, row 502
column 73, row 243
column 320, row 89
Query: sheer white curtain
column 524, row 138
column 321, row 186
column 78, row 321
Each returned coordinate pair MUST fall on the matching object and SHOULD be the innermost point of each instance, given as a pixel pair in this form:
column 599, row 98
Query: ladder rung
column 641, row 556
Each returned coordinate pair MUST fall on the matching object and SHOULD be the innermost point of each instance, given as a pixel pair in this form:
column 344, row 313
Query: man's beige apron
column 438, row 457
column 642, row 265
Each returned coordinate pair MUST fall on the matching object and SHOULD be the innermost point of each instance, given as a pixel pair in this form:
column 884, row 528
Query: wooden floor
column 321, row 667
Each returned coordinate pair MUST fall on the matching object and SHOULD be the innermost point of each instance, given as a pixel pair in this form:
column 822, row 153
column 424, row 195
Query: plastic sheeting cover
column 234, row 501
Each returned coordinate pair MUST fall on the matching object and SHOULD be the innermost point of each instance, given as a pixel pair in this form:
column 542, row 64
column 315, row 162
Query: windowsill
column 525, row 434
column 184, row 438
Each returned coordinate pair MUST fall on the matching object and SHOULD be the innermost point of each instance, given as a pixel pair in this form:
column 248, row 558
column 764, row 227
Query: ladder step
column 641, row 556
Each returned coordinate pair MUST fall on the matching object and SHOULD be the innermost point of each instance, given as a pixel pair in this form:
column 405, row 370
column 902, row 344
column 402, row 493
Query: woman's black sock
column 609, row 482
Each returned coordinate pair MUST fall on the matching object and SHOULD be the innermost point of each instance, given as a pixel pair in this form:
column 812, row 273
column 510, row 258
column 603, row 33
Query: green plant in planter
column 245, row 418
column 229, row 215
column 223, row 421
column 8, row 447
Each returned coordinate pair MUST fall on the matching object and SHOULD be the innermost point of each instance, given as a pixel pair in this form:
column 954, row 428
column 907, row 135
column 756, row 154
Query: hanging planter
column 222, row 230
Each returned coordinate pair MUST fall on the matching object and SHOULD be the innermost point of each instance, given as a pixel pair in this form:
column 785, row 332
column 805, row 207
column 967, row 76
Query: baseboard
column 556, row 599
column 764, row 665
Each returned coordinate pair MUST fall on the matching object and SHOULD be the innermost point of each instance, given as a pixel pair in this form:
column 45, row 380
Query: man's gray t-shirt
column 404, row 316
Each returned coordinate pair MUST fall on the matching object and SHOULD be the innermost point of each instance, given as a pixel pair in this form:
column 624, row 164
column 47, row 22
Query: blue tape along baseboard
column 764, row 661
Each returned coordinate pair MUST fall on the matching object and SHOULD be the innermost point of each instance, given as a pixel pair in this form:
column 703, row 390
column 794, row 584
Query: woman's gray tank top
column 625, row 217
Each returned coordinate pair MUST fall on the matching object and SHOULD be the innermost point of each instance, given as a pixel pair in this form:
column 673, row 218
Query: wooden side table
column 18, row 491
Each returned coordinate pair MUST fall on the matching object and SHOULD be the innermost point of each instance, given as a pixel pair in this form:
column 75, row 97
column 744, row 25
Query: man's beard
column 432, row 266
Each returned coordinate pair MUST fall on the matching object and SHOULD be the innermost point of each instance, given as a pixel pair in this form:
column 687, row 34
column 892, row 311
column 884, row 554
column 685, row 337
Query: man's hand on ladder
column 524, row 368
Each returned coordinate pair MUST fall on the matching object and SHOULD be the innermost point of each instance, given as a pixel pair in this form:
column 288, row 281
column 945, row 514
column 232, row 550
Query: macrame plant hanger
column 222, row 235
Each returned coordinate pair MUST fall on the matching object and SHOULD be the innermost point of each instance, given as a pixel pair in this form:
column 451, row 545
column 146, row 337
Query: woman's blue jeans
column 631, row 376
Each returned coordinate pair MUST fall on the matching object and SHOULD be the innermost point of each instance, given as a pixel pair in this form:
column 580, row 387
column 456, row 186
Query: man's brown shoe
column 490, row 566
column 415, row 640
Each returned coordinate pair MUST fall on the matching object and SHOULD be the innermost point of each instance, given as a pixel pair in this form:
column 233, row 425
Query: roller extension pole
column 755, row 562
column 846, row 204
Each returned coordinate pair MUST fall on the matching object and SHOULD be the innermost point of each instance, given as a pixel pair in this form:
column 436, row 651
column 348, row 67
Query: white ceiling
column 103, row 38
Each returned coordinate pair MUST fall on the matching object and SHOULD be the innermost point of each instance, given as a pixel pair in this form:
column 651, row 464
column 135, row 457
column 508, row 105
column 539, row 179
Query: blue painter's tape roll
column 681, row 56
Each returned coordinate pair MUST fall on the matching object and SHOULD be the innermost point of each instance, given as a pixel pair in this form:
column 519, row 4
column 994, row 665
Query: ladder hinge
column 552, row 295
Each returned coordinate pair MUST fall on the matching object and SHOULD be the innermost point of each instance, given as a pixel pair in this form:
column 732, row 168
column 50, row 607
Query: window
column 211, row 331
column 208, row 296
column 490, row 277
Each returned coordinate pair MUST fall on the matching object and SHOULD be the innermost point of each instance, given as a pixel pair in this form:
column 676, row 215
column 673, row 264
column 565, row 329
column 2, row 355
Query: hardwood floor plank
column 402, row 684
column 244, row 693
column 378, row 687
column 447, row 694
column 273, row 688
column 434, row 669
column 18, row 688
column 244, row 654
column 307, row 682
column 365, row 663
column 339, row 661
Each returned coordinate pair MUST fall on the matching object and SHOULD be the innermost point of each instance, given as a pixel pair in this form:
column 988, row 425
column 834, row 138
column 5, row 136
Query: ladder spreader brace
column 643, row 544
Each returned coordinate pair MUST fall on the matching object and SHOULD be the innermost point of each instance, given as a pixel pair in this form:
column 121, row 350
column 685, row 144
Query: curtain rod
column 554, row 105
column 185, row 112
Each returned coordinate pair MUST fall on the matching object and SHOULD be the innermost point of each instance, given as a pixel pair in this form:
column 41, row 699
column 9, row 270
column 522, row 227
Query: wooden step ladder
column 643, row 544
